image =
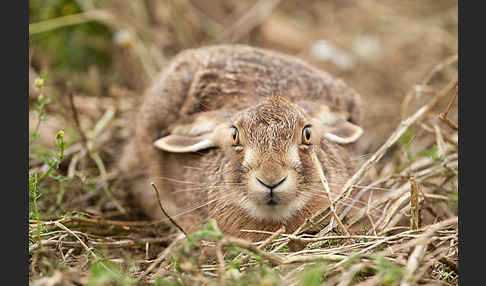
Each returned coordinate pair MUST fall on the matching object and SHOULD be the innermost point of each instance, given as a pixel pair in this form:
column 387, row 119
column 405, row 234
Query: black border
column 14, row 26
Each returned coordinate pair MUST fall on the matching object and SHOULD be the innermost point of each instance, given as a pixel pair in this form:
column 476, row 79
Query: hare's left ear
column 336, row 126
column 343, row 132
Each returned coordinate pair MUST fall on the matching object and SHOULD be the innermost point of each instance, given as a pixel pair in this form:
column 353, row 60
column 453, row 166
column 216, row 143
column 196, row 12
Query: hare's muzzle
column 271, row 198
column 271, row 186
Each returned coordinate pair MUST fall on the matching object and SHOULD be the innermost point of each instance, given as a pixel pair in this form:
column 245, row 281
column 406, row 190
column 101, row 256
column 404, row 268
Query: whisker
column 208, row 188
column 186, row 211
column 363, row 156
column 192, row 167
column 170, row 179
column 317, row 183
column 345, row 201
column 159, row 178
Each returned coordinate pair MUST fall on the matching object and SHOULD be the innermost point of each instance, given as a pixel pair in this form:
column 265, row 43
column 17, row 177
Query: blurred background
column 110, row 50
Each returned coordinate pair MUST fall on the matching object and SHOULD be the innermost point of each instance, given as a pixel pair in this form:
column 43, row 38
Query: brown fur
column 269, row 97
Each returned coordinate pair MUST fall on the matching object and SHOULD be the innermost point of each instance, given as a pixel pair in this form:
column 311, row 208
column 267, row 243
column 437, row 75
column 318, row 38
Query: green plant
column 210, row 231
column 39, row 108
column 102, row 272
column 35, row 179
column 314, row 275
column 261, row 275
column 34, row 196
column 389, row 272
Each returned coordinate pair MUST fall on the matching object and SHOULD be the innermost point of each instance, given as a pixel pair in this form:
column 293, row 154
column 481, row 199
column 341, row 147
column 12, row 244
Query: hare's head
column 269, row 152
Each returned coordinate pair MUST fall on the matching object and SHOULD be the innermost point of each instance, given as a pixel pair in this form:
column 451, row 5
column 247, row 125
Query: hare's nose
column 271, row 184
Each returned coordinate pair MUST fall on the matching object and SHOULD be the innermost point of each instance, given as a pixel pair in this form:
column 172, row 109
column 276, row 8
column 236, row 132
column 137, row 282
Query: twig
column 272, row 237
column 108, row 244
column 267, row 241
column 220, row 257
column 328, row 192
column 449, row 122
column 163, row 210
column 101, row 222
column 394, row 208
column 61, row 226
column 412, row 265
column 76, row 119
column 275, row 259
column 443, row 115
column 162, row 255
column 441, row 148
column 315, row 239
column 451, row 102
column 368, row 214
column 414, row 204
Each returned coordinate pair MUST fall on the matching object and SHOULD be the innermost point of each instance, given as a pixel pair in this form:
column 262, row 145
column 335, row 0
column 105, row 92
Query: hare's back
column 237, row 75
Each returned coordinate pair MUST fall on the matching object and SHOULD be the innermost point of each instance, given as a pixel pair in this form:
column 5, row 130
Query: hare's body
column 225, row 132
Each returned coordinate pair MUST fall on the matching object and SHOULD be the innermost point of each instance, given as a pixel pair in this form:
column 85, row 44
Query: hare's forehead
column 270, row 125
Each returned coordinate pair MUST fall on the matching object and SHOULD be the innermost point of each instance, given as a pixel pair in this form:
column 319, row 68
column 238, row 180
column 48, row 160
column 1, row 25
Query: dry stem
column 163, row 210
column 414, row 204
column 162, row 255
column 328, row 192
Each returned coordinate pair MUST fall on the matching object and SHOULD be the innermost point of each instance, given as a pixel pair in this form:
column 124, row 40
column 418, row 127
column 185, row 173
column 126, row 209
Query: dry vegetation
column 89, row 64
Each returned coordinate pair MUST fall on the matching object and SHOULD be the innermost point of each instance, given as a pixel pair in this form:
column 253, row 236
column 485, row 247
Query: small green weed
column 314, row 275
column 389, row 272
column 262, row 275
column 102, row 272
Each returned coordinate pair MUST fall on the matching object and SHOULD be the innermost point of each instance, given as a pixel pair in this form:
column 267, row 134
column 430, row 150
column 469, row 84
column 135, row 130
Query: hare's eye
column 235, row 136
column 306, row 135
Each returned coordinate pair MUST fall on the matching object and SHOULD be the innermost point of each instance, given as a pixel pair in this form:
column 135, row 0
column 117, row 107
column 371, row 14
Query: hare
column 229, row 132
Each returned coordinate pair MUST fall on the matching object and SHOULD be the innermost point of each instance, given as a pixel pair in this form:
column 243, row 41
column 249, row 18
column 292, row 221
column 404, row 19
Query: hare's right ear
column 183, row 144
column 195, row 136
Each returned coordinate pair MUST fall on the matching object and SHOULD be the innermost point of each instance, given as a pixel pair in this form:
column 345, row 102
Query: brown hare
column 229, row 132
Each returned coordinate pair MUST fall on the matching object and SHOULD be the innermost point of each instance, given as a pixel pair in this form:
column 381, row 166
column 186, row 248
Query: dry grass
column 84, row 230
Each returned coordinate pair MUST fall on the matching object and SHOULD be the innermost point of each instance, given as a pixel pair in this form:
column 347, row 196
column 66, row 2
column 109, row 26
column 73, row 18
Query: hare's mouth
column 272, row 200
